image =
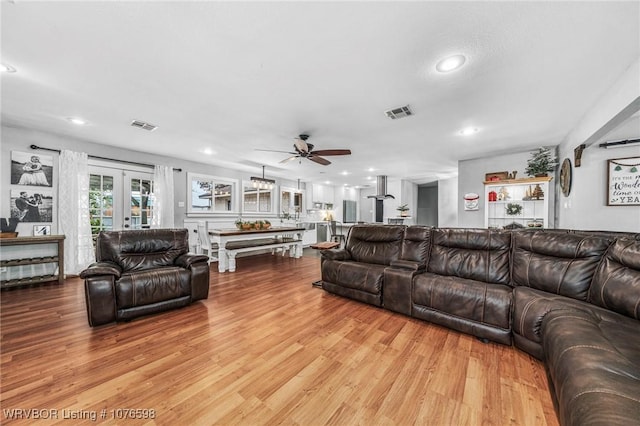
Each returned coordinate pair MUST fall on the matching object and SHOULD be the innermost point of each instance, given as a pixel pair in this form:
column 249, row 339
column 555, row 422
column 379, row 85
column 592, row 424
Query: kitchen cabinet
column 323, row 194
column 309, row 237
column 518, row 203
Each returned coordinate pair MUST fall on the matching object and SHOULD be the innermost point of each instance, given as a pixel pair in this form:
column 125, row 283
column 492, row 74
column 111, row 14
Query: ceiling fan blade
column 286, row 160
column 319, row 160
column 301, row 145
column 274, row 150
column 332, row 152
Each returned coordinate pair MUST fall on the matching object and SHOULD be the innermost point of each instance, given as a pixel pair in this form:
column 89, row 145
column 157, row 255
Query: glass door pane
column 105, row 193
column 139, row 200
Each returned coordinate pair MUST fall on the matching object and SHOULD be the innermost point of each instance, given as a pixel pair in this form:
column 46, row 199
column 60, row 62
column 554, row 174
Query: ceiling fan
column 305, row 150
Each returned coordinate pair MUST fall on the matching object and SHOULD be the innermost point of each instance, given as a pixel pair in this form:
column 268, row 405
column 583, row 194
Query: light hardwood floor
column 265, row 348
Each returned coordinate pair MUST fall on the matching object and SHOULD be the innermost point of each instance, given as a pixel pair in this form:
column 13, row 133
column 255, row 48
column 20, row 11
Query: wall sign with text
column 624, row 182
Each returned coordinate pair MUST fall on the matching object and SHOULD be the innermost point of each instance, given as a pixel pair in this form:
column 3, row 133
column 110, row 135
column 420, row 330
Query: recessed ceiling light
column 370, row 169
column 208, row 151
column 451, row 63
column 344, row 173
column 469, row 131
column 327, row 182
column 77, row 121
column 7, row 68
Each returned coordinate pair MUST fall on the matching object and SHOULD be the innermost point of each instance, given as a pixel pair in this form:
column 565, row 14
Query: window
column 256, row 199
column 211, row 194
column 141, row 207
column 290, row 202
column 100, row 202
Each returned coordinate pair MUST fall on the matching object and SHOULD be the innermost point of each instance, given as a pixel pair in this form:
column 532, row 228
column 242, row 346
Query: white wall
column 586, row 207
column 447, row 202
column 18, row 139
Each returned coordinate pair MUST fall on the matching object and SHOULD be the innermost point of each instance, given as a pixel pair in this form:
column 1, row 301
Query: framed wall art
column 623, row 181
column 31, row 169
column 32, row 205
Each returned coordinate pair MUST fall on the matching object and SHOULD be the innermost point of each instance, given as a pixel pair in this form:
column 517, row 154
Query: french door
column 120, row 199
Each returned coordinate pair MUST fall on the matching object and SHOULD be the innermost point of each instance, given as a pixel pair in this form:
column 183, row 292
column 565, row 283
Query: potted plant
column 266, row 224
column 403, row 209
column 541, row 162
column 246, row 226
column 239, row 223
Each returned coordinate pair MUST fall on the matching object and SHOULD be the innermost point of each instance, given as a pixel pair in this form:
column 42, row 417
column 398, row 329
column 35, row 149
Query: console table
column 23, row 251
column 223, row 236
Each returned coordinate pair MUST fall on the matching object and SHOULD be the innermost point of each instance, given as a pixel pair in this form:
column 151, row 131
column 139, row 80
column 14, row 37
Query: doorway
column 119, row 199
column 427, row 213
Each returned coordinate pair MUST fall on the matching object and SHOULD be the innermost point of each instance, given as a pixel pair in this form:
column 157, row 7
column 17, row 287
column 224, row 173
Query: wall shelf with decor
column 518, row 203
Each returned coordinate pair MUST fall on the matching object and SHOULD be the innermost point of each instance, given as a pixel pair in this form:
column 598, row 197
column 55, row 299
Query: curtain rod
column 175, row 169
column 616, row 144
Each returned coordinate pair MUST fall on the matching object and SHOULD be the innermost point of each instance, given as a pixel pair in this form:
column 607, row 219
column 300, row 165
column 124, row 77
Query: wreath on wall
column 513, row 209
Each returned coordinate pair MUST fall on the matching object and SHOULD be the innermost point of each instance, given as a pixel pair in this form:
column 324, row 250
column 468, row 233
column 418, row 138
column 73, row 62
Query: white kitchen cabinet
column 323, row 194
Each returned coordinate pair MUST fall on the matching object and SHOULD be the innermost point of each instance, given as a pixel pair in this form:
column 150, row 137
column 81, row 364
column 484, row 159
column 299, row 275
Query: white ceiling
column 237, row 76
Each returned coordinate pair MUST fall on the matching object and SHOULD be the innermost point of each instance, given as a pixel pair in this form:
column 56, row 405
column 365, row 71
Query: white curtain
column 163, row 194
column 73, row 211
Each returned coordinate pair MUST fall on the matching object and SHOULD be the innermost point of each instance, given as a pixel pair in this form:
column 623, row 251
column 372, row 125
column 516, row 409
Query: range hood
column 381, row 184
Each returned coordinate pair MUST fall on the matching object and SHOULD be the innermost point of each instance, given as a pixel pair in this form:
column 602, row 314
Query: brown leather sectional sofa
column 569, row 298
column 141, row 272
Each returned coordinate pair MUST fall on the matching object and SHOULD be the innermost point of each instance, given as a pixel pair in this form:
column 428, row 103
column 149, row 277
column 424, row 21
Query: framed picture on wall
column 623, row 181
column 31, row 205
column 31, row 169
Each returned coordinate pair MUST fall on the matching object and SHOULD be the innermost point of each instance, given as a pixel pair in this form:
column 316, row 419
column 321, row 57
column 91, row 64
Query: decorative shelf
column 29, row 246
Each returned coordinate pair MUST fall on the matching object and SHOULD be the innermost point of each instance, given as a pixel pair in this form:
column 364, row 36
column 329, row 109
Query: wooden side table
column 325, row 245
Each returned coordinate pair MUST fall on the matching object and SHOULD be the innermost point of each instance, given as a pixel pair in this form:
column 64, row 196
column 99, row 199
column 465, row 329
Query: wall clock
column 565, row 177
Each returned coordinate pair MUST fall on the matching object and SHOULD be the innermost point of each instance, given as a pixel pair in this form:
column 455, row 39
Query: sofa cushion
column 375, row 244
column 530, row 307
column 416, row 244
column 139, row 250
column 476, row 254
column 360, row 276
column 152, row 286
column 593, row 362
column 473, row 300
column 557, row 263
column 616, row 283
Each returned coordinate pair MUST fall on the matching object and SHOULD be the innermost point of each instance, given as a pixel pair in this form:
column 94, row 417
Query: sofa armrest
column 102, row 268
column 186, row 260
column 335, row 254
column 100, row 295
column 408, row 265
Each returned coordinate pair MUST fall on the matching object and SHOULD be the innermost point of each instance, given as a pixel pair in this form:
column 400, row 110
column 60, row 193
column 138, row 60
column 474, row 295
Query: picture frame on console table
column 623, row 181
column 40, row 230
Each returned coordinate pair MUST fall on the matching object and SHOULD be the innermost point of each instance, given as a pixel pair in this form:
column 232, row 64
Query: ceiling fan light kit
column 302, row 149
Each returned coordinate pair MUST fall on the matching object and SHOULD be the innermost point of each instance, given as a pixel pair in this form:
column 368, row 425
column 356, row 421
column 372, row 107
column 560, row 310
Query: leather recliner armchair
column 141, row 272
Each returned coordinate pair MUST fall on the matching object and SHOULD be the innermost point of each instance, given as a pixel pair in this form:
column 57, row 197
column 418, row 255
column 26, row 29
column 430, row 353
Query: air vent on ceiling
column 143, row 125
column 399, row 112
